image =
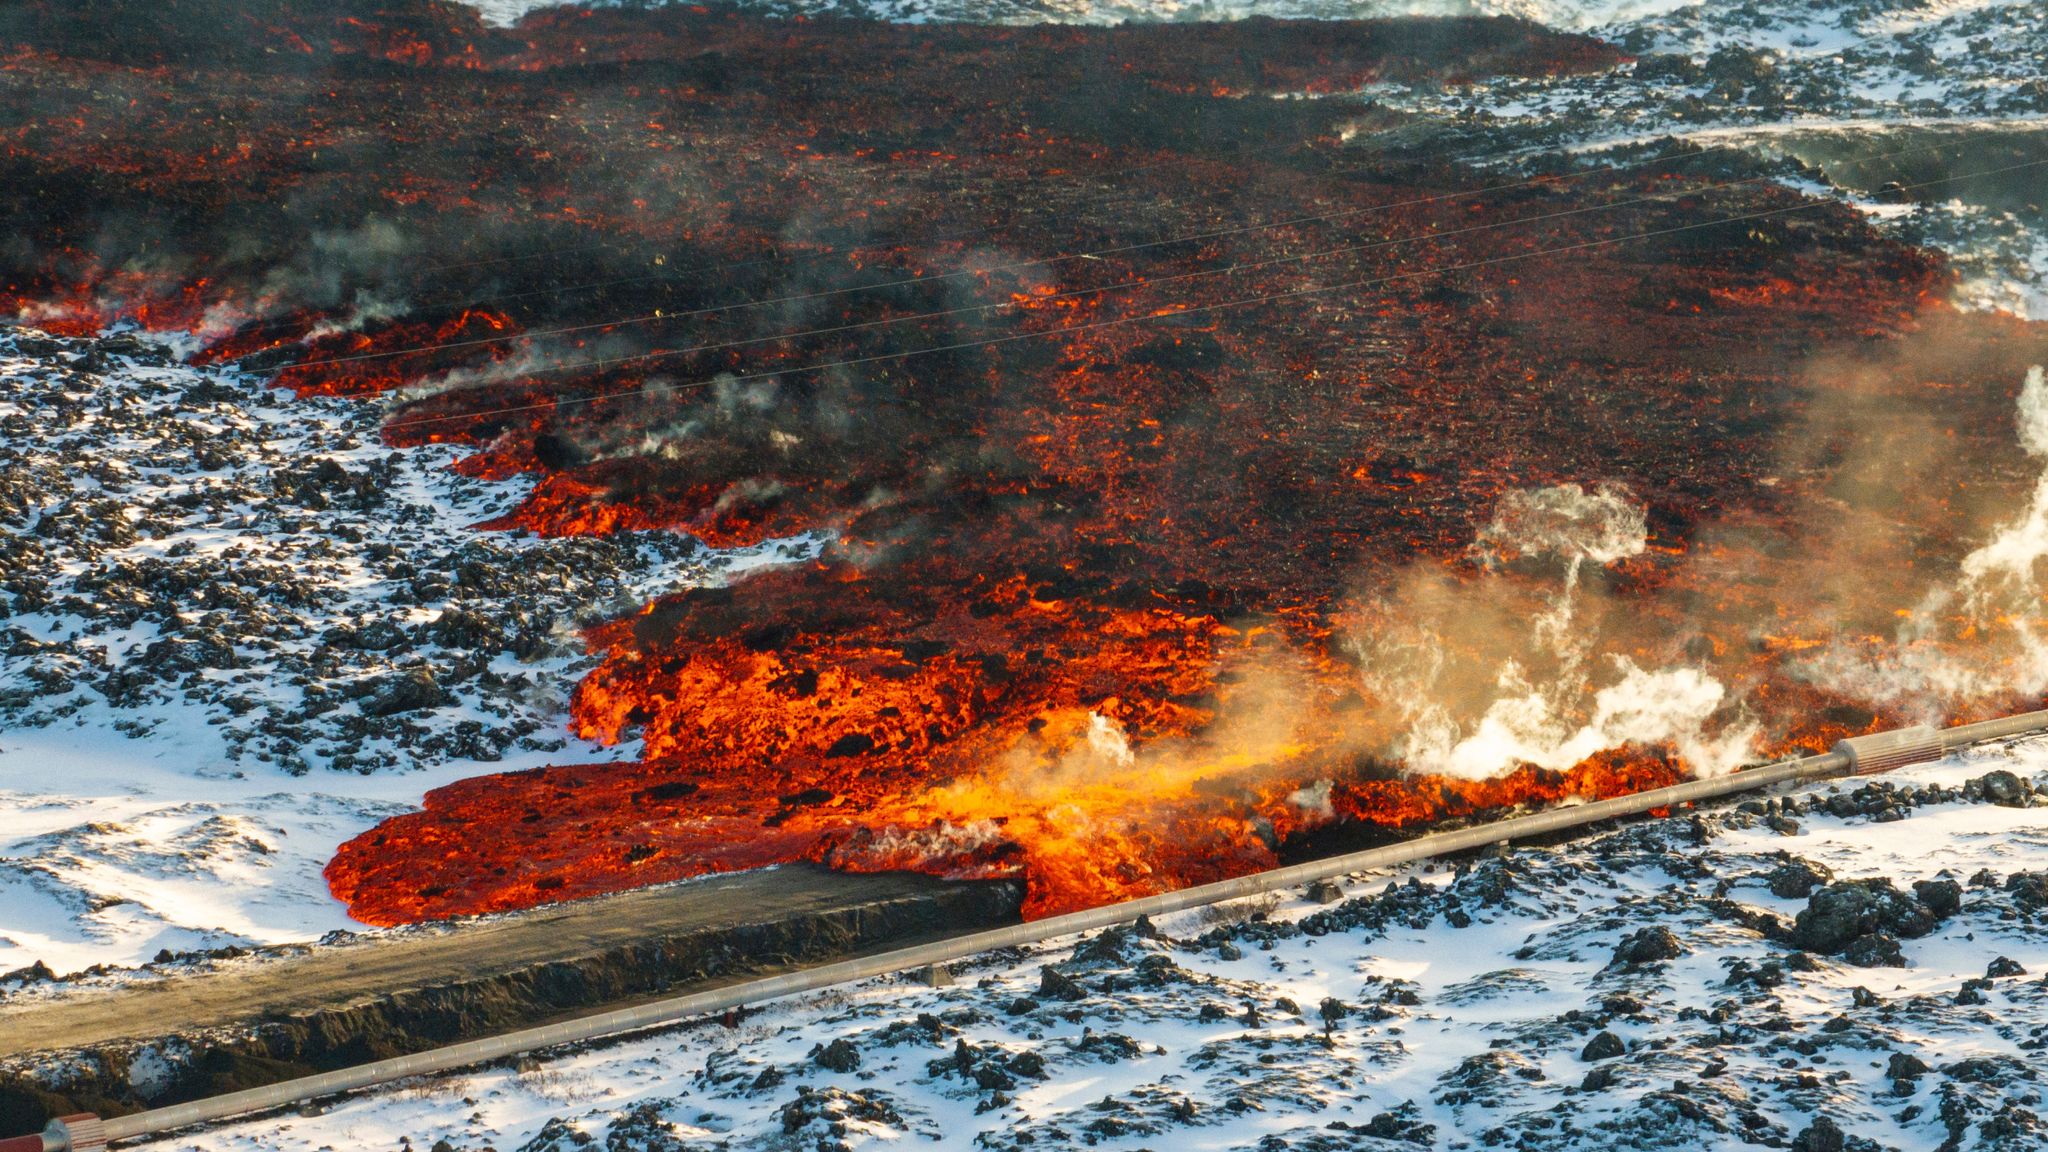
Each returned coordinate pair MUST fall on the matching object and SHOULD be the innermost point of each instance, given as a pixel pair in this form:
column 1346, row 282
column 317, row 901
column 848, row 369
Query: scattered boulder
column 1874, row 951
column 1943, row 897
column 1905, row 1066
column 1402, row 1124
column 413, row 690
column 838, row 1056
column 1862, row 921
column 1651, row 945
column 1054, row 984
column 2003, row 788
column 462, row 628
column 1823, row 1135
column 2029, row 890
column 824, row 1110
column 1603, row 1046
column 1795, row 879
column 2002, row 967
column 644, row 1128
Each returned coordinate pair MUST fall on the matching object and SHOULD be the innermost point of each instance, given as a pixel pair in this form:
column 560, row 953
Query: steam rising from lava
column 1488, row 672
column 1980, row 634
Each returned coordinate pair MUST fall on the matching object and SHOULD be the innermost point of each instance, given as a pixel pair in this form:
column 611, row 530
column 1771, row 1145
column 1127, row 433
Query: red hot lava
column 1109, row 550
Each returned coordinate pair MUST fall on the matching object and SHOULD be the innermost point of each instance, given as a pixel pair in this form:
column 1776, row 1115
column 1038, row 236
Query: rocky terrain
column 1852, row 966
column 252, row 595
column 1863, row 96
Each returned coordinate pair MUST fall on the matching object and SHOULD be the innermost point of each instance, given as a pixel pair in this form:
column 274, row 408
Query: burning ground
column 1199, row 490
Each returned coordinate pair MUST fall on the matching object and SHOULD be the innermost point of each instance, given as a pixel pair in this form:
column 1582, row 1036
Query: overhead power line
column 1163, row 314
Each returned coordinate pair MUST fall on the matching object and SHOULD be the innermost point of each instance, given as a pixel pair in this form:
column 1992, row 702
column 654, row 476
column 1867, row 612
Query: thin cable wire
column 1141, row 282
column 646, row 244
column 664, row 316
column 1159, row 315
column 1103, row 197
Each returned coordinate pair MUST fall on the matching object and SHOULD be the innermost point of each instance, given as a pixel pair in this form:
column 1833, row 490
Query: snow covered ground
column 1695, row 982
column 236, row 630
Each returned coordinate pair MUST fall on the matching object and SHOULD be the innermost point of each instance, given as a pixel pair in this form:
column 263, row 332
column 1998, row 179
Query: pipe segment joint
column 79, row 1132
column 1884, row 751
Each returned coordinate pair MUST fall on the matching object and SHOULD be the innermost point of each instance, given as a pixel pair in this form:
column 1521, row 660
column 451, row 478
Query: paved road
column 379, row 964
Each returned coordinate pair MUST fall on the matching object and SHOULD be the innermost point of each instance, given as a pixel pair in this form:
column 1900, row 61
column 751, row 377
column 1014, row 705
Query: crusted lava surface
column 1105, row 529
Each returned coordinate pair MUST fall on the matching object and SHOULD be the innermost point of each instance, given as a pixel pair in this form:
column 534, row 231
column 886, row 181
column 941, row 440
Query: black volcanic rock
column 1796, row 879
column 409, row 691
column 1943, row 897
column 2005, row 789
column 838, row 1056
column 1647, row 946
column 1603, row 1046
column 1823, row 1135
column 1874, row 951
column 1056, row 985
column 1905, row 1066
column 1860, row 915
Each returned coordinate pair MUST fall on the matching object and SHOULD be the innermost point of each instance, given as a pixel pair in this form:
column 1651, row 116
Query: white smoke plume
column 1981, row 635
column 1485, row 674
column 1568, row 523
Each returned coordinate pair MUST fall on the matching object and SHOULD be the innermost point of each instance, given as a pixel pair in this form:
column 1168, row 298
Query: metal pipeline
column 1861, row 755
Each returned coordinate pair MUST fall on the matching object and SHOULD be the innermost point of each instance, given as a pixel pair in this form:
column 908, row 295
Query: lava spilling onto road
column 1201, row 486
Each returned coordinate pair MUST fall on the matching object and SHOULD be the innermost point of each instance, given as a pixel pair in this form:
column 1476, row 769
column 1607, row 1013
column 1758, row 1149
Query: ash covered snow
column 1851, row 966
column 221, row 610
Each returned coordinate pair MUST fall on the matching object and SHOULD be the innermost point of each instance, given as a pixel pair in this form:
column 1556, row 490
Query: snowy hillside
column 1853, row 967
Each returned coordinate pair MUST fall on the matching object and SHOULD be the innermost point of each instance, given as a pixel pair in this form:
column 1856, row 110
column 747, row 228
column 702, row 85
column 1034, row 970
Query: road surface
column 332, row 977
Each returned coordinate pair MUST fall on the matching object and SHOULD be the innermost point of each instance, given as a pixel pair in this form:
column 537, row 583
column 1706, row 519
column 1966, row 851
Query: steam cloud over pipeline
column 1137, row 596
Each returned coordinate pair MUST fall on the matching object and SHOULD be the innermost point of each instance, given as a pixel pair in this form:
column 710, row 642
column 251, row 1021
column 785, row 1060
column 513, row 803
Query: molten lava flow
column 330, row 361
column 1126, row 583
